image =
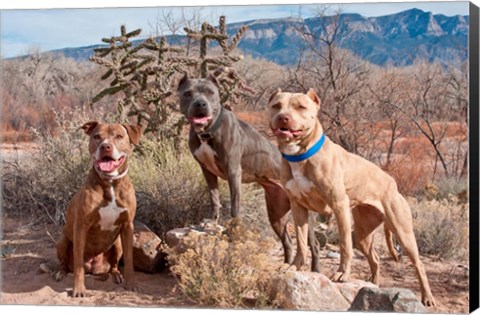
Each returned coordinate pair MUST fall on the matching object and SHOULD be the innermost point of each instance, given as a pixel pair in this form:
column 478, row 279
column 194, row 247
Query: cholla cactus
column 232, row 86
column 145, row 74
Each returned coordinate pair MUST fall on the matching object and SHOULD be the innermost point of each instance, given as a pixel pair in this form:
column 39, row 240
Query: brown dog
column 99, row 220
column 319, row 175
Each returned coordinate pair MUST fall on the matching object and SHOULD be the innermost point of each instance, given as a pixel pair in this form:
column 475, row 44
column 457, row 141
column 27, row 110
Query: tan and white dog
column 99, row 220
column 321, row 176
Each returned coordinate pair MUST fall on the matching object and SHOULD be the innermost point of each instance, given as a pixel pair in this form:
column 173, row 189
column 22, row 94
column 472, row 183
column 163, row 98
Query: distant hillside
column 396, row 39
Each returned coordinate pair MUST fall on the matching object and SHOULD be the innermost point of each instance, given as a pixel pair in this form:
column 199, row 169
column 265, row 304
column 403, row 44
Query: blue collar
column 310, row 152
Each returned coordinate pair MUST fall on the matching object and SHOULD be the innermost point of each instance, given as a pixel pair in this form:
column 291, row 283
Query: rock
column 332, row 254
column 147, row 254
column 174, row 238
column 303, row 290
column 387, row 300
column 350, row 289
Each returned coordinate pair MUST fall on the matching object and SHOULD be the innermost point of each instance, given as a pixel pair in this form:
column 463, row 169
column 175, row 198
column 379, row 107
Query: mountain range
column 397, row 39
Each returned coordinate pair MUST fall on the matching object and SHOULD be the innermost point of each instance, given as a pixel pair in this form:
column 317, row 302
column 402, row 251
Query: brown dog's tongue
column 108, row 166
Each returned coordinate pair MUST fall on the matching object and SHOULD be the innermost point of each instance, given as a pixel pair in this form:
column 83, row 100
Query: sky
column 48, row 24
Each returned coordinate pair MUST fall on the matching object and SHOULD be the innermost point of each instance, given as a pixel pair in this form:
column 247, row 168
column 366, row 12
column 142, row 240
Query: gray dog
column 231, row 149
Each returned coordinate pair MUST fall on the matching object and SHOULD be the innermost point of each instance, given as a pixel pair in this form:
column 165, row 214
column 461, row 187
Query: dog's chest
column 299, row 186
column 206, row 155
column 110, row 213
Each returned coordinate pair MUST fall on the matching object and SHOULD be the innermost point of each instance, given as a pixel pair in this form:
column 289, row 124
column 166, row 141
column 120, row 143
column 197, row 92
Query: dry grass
column 40, row 187
column 441, row 227
column 226, row 270
column 171, row 191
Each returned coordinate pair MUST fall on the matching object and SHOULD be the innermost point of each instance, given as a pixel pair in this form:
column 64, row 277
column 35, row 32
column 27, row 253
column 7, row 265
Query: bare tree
column 338, row 76
column 428, row 103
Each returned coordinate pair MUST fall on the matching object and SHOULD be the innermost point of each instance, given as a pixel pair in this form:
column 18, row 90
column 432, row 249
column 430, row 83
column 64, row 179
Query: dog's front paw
column 58, row 275
column 131, row 287
column 340, row 277
column 79, row 291
column 117, row 277
column 428, row 300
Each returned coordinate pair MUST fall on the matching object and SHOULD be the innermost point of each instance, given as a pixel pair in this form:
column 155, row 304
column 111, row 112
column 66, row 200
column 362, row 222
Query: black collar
column 208, row 134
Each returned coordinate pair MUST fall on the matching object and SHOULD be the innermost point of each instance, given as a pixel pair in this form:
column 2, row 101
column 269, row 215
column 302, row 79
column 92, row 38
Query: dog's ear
column 182, row 80
column 313, row 96
column 278, row 91
column 89, row 126
column 134, row 132
column 213, row 79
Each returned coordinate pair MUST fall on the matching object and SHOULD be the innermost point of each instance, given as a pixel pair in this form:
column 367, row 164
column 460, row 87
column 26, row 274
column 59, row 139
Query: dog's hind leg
column 313, row 243
column 114, row 255
column 365, row 224
column 389, row 240
column 278, row 206
column 398, row 218
column 300, row 218
column 64, row 254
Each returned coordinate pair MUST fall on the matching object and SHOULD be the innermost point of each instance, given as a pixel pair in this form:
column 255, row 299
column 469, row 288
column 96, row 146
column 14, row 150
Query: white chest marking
column 291, row 149
column 110, row 213
column 299, row 185
column 206, row 156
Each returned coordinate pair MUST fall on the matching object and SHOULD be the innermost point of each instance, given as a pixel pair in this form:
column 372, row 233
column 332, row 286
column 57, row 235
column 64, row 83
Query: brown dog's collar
column 207, row 135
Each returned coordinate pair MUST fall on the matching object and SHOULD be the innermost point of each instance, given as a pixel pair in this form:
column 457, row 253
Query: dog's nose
column 106, row 147
column 200, row 104
column 284, row 119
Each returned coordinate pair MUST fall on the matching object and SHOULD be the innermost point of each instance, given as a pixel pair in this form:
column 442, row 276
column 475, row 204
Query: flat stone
column 350, row 289
column 387, row 300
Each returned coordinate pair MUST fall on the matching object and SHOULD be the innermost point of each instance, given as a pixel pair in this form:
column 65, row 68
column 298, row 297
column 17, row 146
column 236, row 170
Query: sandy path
column 27, row 245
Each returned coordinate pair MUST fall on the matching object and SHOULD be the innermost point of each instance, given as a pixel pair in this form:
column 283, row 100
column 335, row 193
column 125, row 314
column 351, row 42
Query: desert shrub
column 40, row 188
column 169, row 185
column 451, row 186
column 441, row 228
column 227, row 270
column 171, row 190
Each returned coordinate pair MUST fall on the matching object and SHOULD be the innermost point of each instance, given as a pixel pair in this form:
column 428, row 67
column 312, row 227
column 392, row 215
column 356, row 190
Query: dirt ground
column 25, row 246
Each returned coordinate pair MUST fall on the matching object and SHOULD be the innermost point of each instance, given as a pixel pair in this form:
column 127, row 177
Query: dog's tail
column 389, row 239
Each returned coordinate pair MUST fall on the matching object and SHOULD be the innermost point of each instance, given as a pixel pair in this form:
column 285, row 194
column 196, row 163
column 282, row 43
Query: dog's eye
column 187, row 94
column 96, row 137
column 301, row 107
column 209, row 92
column 119, row 137
column 276, row 106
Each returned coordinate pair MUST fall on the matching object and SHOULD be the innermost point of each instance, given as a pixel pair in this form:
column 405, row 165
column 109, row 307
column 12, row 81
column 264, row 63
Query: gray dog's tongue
column 200, row 120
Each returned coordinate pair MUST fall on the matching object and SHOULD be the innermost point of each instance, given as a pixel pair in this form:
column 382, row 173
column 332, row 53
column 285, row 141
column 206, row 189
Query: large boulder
column 299, row 290
column 387, row 300
column 147, row 253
